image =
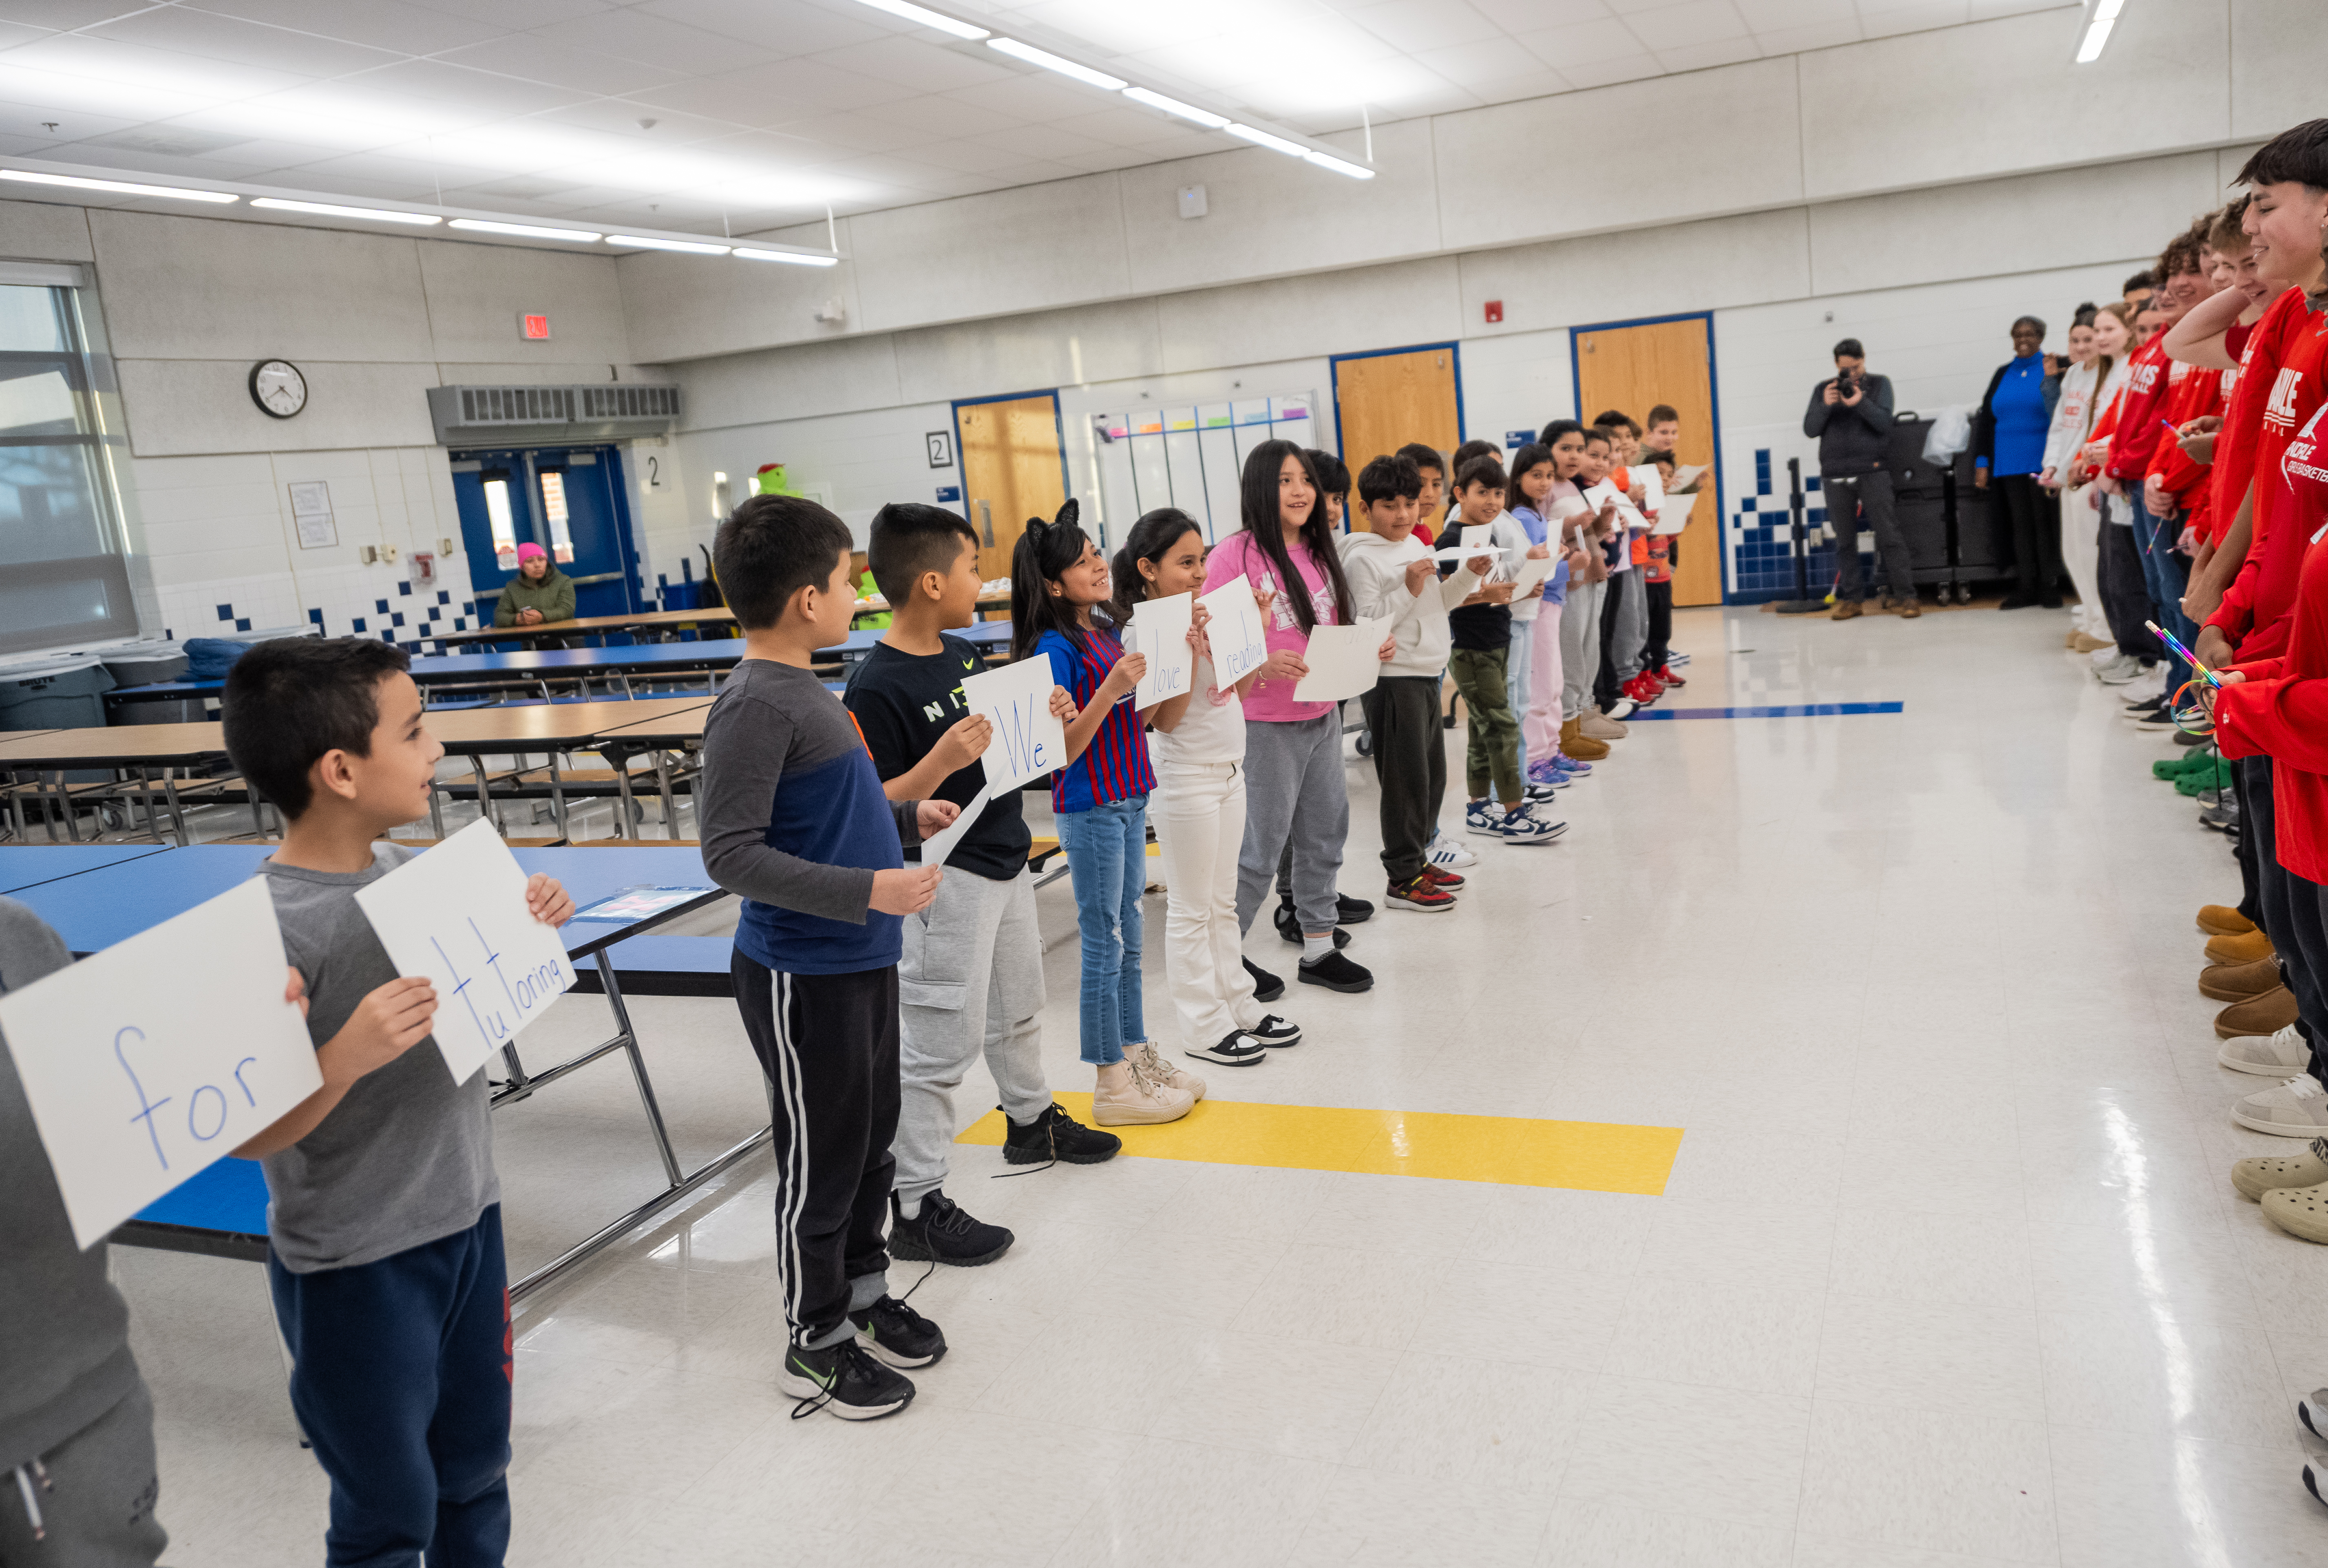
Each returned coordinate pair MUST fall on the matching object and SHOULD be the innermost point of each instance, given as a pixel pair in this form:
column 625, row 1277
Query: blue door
column 570, row 500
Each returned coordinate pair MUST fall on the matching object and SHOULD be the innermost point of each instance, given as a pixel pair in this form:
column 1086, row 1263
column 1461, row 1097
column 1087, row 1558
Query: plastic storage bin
column 59, row 694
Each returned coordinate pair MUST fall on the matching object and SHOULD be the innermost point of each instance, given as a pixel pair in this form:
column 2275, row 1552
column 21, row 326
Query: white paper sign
column 1674, row 517
column 1159, row 631
column 1478, row 536
column 1029, row 739
column 1232, row 630
column 148, row 1063
column 458, row 915
column 1533, row 570
column 311, row 514
column 1343, row 660
column 940, row 845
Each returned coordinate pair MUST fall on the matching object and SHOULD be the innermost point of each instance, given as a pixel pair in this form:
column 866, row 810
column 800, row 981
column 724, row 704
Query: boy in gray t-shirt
column 384, row 1219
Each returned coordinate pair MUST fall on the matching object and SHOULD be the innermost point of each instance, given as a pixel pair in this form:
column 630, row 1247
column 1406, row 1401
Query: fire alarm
column 533, row 327
column 1495, row 311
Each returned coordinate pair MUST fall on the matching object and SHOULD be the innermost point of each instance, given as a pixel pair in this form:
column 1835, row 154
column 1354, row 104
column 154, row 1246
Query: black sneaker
column 898, row 1334
column 1335, row 973
column 1350, row 912
column 1273, row 1030
column 2147, row 705
column 1266, row 986
column 943, row 1232
column 841, row 1379
column 1235, row 1048
column 1289, row 926
column 1055, row 1136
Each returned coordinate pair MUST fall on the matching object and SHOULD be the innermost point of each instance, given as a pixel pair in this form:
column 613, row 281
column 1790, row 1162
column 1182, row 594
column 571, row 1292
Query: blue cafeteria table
column 222, row 1211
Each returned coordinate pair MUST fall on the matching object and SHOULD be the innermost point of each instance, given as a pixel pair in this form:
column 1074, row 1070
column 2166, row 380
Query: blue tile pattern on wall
column 1761, row 549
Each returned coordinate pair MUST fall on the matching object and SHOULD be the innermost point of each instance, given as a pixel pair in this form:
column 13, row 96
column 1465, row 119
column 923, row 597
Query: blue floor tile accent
column 1785, row 711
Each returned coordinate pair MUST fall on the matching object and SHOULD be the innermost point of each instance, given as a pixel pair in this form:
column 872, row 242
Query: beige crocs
column 2301, row 1211
column 2262, row 1174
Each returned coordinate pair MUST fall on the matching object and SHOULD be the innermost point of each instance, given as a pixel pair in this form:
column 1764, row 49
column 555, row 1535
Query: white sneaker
column 1482, row 818
column 2117, row 671
column 2297, row 1108
column 2311, row 1410
column 1623, row 710
column 1153, row 1065
column 1138, row 1100
column 1445, row 852
column 2266, row 1055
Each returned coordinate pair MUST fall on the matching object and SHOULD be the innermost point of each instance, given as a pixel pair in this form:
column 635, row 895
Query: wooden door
column 1636, row 367
column 1383, row 401
column 1010, row 461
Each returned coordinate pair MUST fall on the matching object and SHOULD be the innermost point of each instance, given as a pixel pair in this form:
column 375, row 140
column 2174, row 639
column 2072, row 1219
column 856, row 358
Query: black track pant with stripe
column 829, row 1045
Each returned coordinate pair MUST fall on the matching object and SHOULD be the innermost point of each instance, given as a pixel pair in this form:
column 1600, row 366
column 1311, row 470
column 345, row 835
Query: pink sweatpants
column 1540, row 725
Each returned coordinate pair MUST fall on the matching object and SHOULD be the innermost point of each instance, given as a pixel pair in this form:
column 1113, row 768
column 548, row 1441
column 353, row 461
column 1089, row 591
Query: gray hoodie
column 64, row 1349
column 1376, row 569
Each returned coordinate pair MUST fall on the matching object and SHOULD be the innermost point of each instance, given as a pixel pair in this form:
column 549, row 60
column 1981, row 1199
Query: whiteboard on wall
column 1190, row 456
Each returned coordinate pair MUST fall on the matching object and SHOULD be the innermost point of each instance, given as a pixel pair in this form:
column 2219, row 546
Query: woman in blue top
column 1099, row 800
column 2009, row 451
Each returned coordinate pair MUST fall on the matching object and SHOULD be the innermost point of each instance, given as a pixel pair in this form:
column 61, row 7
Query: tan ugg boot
column 2241, row 947
column 2219, row 921
column 1601, row 726
column 1574, row 743
column 2266, row 1014
column 2238, row 982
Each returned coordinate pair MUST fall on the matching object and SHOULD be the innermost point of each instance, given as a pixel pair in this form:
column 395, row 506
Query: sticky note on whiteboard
column 148, row 1063
column 458, row 915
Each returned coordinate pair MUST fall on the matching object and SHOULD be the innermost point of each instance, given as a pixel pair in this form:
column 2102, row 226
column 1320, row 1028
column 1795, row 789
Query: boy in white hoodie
column 1391, row 573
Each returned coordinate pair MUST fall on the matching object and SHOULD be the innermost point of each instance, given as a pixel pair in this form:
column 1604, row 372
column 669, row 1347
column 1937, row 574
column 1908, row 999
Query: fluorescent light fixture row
column 1049, row 61
column 1191, row 112
column 1340, row 165
column 333, row 209
column 1265, row 139
column 912, row 12
column 689, row 247
column 798, row 258
column 124, row 187
column 526, row 230
column 2103, row 17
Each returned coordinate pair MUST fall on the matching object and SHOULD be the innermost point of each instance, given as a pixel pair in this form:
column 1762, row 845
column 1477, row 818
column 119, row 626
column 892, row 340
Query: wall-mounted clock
column 278, row 387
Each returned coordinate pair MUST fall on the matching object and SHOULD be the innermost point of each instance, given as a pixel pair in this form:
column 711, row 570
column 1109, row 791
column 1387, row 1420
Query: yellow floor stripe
column 1590, row 1156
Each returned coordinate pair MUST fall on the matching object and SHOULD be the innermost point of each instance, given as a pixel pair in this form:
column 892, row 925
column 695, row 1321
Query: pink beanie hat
column 528, row 552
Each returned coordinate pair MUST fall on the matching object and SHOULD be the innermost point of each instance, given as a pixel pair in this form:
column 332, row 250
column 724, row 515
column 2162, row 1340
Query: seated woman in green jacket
column 539, row 593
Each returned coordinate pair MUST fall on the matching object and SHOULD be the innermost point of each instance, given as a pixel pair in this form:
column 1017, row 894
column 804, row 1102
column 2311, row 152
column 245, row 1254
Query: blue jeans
column 1107, row 857
column 2165, row 575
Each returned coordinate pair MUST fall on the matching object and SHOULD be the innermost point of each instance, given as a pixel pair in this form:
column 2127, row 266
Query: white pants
column 2081, row 522
column 1198, row 812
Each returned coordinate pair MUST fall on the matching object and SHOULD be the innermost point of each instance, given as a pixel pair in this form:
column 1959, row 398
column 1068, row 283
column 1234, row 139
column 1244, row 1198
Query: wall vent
column 473, row 415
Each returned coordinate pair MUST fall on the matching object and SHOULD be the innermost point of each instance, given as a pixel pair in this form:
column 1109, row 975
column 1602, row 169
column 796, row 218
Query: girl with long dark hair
column 1294, row 789
column 1197, row 742
column 1100, row 802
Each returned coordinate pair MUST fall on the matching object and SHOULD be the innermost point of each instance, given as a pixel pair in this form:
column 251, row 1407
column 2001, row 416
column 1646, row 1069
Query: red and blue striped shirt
column 1114, row 766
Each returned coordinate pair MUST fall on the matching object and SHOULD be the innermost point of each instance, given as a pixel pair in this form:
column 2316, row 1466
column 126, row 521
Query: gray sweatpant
column 98, row 1507
column 1631, row 634
column 970, row 978
column 1579, row 647
column 1295, row 795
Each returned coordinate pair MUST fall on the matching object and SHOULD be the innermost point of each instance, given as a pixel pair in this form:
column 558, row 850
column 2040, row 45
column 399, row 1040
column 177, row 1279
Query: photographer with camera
column 1850, row 414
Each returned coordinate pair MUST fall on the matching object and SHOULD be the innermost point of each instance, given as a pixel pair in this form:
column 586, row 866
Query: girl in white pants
column 1196, row 744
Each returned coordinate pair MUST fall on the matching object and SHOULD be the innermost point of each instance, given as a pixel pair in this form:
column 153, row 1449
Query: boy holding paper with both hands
column 384, row 1220
column 970, row 977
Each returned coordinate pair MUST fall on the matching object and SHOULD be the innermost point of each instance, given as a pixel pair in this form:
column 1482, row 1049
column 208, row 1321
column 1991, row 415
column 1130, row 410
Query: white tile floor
column 1949, row 1271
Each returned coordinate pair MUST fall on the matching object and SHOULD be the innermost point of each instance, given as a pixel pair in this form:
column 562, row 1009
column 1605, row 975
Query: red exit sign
column 532, row 327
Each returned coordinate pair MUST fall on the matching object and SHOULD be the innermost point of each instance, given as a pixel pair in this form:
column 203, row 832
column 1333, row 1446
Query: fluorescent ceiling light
column 798, row 258
column 912, row 12
column 331, row 210
column 1048, row 62
column 175, row 193
column 527, row 230
column 691, row 246
column 2099, row 20
column 1156, row 101
column 1340, row 165
column 1263, row 139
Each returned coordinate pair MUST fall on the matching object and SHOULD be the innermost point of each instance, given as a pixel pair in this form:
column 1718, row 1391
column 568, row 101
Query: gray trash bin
column 148, row 663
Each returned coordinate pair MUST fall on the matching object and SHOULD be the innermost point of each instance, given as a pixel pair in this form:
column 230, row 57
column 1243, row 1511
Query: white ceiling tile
column 621, row 117
column 1418, row 26
column 1519, row 16
column 781, row 27
column 1984, row 10
column 935, row 116
column 248, row 43
column 1883, row 18
column 1584, row 44
column 1691, row 23
column 133, row 70
column 777, row 93
column 1034, row 96
column 1770, row 16
column 1131, row 125
column 1518, row 91
column 1817, row 35
column 464, row 85
column 391, row 24
column 82, row 102
column 1712, row 52
column 963, row 156
column 1496, row 64
column 549, row 61
column 1040, row 142
column 867, row 133
column 69, row 13
column 656, row 40
column 517, row 16
column 23, row 120
column 922, row 66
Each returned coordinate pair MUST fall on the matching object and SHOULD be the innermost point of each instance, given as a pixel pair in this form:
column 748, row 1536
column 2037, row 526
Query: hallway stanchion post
column 1802, row 603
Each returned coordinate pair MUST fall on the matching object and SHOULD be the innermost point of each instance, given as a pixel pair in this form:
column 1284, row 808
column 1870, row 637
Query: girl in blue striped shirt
column 1100, row 799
